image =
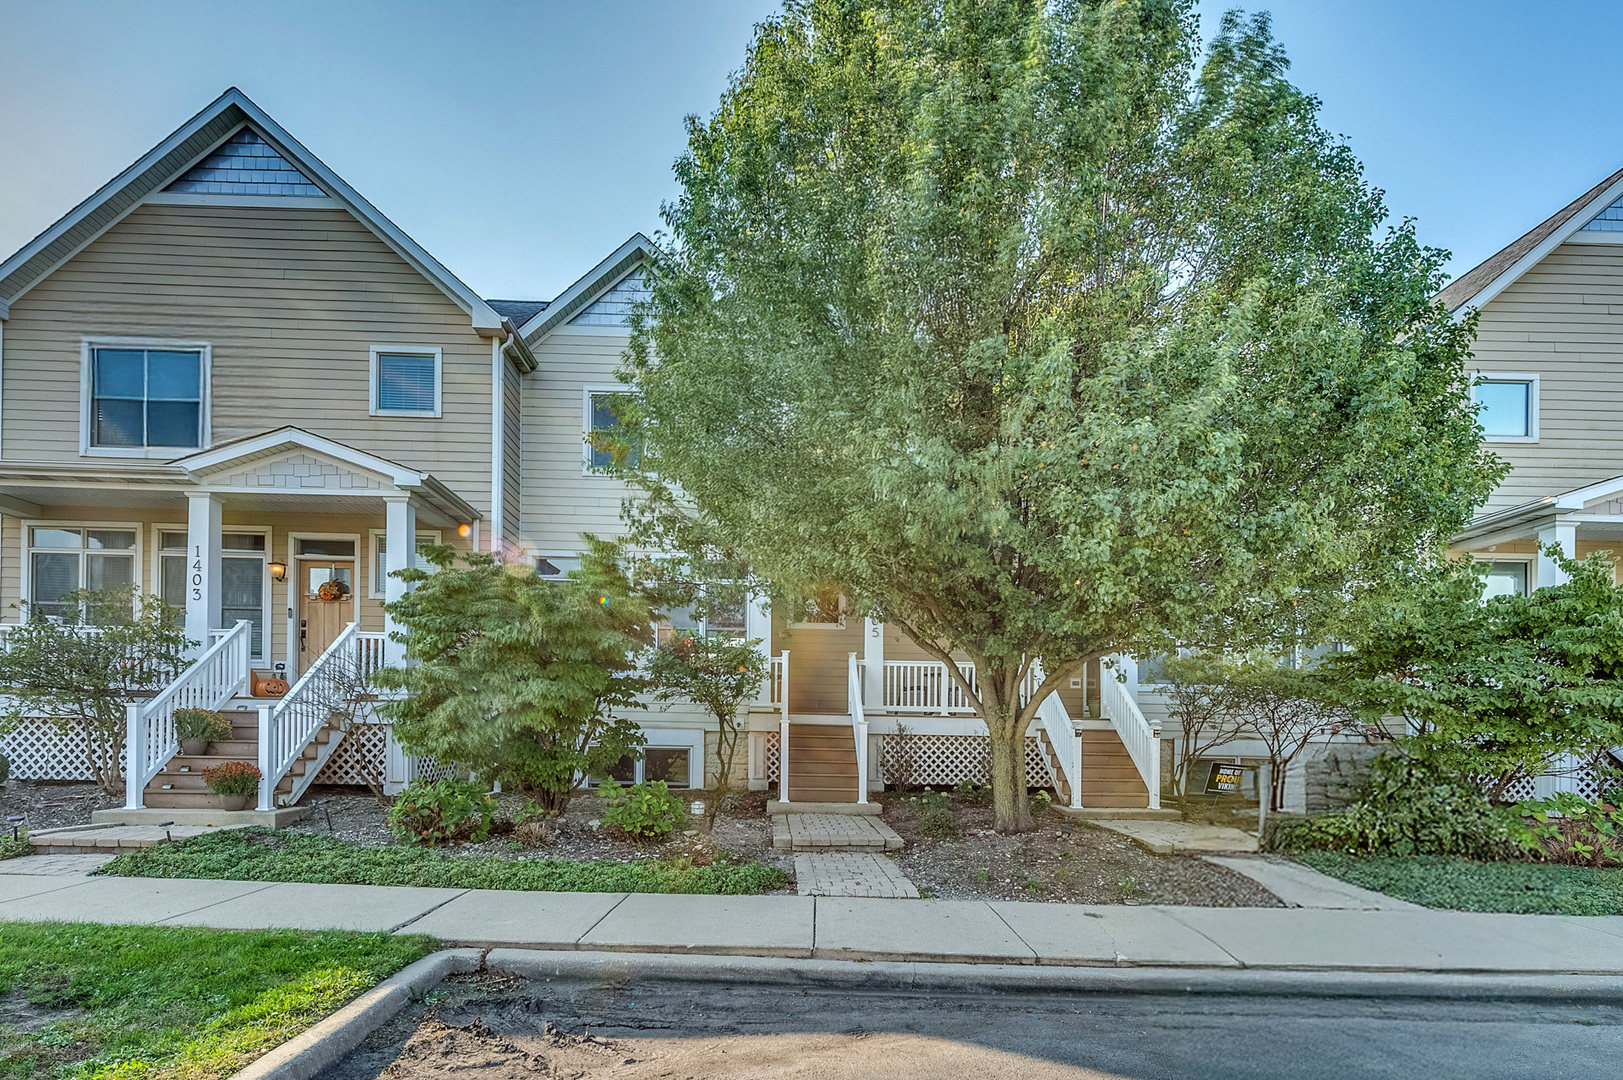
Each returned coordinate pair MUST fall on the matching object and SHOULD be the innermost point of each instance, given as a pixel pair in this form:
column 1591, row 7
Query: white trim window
column 64, row 558
column 379, row 548
column 598, row 417
column 556, row 567
column 404, row 381
column 721, row 620
column 824, row 610
column 675, row 756
column 143, row 398
column 244, row 579
column 1506, row 406
column 1507, row 577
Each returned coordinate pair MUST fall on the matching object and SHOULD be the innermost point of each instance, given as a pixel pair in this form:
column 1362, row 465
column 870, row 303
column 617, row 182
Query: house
column 228, row 379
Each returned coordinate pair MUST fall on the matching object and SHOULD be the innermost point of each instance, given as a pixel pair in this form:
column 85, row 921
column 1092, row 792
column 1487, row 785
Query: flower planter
column 194, row 747
column 234, row 802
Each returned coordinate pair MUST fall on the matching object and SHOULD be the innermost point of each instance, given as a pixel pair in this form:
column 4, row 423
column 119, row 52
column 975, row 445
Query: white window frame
column 87, row 347
column 431, row 536
column 586, row 392
column 158, row 551
column 572, row 556
column 1532, row 380
column 839, row 625
column 25, row 577
column 1513, row 556
column 689, row 739
column 372, row 408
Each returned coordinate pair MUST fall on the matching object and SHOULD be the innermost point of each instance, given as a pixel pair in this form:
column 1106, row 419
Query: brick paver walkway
column 110, row 838
column 851, row 873
column 837, row 832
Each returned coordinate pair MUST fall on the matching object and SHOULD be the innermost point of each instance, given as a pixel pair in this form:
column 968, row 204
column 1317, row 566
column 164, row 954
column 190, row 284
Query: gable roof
column 188, row 146
column 1494, row 274
column 520, row 311
column 596, row 281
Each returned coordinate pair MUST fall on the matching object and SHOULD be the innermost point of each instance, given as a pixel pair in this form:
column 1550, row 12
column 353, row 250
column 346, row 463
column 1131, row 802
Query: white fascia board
column 590, row 283
column 292, row 437
column 1560, row 236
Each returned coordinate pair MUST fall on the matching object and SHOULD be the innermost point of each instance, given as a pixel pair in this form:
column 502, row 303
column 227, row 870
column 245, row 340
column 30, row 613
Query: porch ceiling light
column 278, row 571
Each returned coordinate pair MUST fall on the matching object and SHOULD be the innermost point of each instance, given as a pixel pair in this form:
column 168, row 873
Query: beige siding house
column 227, row 379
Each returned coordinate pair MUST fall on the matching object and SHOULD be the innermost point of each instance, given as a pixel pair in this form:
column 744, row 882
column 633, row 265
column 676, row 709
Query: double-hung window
column 380, row 564
column 724, row 618
column 603, row 433
column 1507, row 407
column 62, row 560
column 145, row 398
column 405, row 381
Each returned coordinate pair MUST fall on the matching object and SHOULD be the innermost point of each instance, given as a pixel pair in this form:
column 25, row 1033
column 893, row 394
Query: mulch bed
column 52, row 804
column 1059, row 862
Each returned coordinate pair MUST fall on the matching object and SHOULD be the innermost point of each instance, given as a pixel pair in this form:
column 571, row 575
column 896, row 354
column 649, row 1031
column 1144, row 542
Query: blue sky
column 521, row 142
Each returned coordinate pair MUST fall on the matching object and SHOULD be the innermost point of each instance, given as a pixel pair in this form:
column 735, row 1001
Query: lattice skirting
column 1572, row 775
column 949, row 759
column 39, row 750
column 365, row 750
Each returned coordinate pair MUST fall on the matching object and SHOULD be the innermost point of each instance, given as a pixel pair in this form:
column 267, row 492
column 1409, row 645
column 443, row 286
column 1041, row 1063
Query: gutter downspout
column 497, row 446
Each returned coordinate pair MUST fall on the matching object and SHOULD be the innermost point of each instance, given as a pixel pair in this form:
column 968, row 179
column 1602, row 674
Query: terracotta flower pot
column 194, row 747
column 234, row 802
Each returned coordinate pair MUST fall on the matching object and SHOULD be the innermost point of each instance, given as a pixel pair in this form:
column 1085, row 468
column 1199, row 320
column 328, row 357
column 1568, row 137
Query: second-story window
column 405, row 382
column 1507, row 407
column 143, row 398
column 604, row 437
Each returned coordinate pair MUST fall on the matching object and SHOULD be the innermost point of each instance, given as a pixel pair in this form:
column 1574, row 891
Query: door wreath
column 332, row 589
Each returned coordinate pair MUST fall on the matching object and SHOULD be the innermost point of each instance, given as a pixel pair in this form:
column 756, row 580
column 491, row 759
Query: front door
column 326, row 606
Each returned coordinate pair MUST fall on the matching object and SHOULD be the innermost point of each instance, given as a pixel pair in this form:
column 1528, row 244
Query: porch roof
column 1596, row 510
column 287, row 469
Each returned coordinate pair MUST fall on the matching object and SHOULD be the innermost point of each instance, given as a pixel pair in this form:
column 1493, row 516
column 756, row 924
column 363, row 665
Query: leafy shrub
column 202, row 724
column 1567, row 828
column 934, row 815
column 1041, row 801
column 271, row 855
column 233, row 778
column 643, row 811
column 440, row 811
column 11, row 849
column 1408, row 807
column 972, row 795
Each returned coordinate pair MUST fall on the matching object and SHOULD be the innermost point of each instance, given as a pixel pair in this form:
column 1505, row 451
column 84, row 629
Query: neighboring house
column 226, row 378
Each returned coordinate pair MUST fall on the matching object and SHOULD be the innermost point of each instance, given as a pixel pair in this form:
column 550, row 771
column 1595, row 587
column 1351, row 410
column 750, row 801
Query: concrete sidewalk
column 845, row 928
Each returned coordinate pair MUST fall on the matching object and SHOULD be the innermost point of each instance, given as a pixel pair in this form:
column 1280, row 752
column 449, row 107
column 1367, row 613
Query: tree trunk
column 1012, row 811
column 726, row 747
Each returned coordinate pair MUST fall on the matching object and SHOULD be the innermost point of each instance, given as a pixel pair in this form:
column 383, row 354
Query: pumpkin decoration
column 269, row 686
column 332, row 589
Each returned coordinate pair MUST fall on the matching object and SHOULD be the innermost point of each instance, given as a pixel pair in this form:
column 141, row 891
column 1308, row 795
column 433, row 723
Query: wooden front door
column 321, row 619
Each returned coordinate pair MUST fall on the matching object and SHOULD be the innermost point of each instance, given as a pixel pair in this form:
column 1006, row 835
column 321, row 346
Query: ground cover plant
column 1462, row 884
column 89, row 1002
column 264, row 855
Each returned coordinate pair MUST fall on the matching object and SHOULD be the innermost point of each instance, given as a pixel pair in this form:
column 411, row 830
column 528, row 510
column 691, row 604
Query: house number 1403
column 197, row 573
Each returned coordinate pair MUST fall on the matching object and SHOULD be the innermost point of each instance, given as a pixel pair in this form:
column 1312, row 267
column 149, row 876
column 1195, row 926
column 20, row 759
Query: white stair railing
column 213, row 679
column 287, row 727
column 1064, row 734
column 1142, row 741
column 780, row 673
column 859, row 723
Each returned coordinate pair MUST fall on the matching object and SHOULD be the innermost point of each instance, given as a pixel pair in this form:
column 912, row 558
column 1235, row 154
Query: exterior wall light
column 464, row 531
column 278, row 571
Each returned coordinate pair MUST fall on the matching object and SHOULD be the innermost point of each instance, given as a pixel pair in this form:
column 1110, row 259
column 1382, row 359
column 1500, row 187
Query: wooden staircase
column 181, row 784
column 822, row 764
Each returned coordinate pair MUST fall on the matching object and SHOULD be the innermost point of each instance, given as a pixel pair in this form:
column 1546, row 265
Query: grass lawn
column 82, row 1001
column 1460, row 884
column 262, row 855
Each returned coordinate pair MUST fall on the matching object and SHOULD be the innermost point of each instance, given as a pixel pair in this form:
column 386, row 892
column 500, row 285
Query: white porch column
column 202, row 567
column 1566, row 537
column 399, row 546
column 873, row 660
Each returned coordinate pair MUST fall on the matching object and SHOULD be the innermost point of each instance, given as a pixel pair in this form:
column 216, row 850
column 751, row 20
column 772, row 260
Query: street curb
column 309, row 1052
column 1023, row 979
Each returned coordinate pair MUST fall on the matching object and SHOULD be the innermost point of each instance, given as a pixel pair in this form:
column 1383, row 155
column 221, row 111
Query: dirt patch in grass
column 1060, row 862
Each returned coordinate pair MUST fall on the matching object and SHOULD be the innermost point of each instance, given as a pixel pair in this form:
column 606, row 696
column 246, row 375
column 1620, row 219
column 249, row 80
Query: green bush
column 1567, row 828
column 935, row 817
column 280, row 855
column 972, row 795
column 202, row 724
column 643, row 811
column 11, row 849
column 1407, row 808
column 233, row 778
column 440, row 811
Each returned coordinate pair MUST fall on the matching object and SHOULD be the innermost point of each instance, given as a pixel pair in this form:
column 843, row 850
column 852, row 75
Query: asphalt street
column 501, row 1027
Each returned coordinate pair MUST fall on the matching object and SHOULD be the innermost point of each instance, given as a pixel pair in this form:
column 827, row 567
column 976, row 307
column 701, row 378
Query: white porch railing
column 213, row 679
column 1064, row 735
column 287, row 727
column 778, row 676
column 859, row 723
column 924, row 686
column 1142, row 743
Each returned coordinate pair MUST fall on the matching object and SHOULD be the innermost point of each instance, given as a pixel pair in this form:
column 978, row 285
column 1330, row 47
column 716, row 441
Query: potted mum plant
column 196, row 728
column 235, row 782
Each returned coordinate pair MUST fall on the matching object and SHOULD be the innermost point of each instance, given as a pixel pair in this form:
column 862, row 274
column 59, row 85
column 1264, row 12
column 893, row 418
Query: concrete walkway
column 852, row 928
column 1302, row 886
column 1176, row 837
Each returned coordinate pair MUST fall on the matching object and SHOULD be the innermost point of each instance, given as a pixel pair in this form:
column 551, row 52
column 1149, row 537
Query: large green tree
column 1042, row 337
